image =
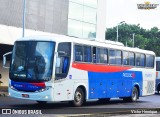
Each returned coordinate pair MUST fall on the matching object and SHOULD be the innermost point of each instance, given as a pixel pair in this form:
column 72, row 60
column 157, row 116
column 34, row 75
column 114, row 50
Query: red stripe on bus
column 42, row 84
column 99, row 68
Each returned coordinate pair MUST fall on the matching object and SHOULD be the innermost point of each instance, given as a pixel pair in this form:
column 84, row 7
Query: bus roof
column 62, row 38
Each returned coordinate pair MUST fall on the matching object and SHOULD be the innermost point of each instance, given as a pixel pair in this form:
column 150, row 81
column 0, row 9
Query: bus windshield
column 32, row 61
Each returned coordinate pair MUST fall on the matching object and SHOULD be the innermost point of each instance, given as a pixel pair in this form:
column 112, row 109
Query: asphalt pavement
column 116, row 107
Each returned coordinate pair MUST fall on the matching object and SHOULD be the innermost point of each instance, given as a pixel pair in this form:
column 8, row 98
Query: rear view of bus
column 158, row 74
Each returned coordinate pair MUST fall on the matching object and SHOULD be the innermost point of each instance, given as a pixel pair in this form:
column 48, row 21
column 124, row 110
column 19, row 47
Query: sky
column 126, row 10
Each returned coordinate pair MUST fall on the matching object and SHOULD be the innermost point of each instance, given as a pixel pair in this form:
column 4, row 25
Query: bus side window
column 142, row 62
column 131, row 59
column 102, row 55
column 63, row 59
column 138, row 59
column 112, row 55
column 105, row 55
column 94, row 54
column 118, row 57
column 150, row 61
column 78, row 53
column 87, row 53
column 125, row 58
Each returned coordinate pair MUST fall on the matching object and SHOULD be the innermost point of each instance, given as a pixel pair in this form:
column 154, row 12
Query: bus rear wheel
column 133, row 97
column 79, row 98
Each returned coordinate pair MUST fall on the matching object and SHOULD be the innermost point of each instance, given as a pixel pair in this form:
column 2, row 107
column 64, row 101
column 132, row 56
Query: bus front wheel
column 79, row 98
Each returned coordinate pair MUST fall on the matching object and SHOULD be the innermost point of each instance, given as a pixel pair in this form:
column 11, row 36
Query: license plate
column 25, row 95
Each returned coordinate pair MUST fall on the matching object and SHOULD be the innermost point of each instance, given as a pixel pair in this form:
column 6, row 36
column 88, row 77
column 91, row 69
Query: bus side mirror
column 0, row 76
column 5, row 59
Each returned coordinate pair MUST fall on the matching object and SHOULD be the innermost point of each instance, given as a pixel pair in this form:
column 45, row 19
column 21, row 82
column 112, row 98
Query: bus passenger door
column 63, row 87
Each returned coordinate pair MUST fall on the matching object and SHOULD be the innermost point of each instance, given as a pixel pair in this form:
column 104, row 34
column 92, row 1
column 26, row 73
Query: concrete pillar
column 101, row 20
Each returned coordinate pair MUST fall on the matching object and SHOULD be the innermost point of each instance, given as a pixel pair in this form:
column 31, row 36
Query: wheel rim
column 78, row 97
column 134, row 97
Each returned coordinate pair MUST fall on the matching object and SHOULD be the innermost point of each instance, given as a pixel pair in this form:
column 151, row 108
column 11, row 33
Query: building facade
column 79, row 18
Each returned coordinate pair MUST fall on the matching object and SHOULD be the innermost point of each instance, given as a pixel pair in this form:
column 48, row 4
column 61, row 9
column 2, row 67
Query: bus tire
column 158, row 89
column 79, row 98
column 41, row 102
column 134, row 96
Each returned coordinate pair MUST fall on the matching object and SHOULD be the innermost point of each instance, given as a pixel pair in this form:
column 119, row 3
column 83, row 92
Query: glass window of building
column 82, row 14
column 91, row 3
column 77, row 1
column 75, row 11
column 89, row 15
column 74, row 28
column 89, row 30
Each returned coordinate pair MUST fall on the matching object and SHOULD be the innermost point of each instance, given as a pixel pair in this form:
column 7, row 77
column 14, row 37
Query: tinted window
column 94, row 55
column 87, row 53
column 83, row 53
column 101, row 55
column 32, row 61
column 157, row 65
column 64, row 55
column 140, row 60
column 105, row 55
column 142, row 63
column 118, row 57
column 65, row 48
column 78, row 53
column 125, row 58
column 149, row 61
column 112, row 54
column 131, row 58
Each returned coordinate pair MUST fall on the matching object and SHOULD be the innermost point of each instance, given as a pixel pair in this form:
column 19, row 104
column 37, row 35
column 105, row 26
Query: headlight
column 12, row 87
column 44, row 89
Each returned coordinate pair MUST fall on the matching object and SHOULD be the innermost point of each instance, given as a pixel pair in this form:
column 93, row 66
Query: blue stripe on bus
column 23, row 86
column 116, row 84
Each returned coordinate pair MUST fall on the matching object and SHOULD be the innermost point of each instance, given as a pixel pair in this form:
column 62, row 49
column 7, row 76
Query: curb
column 3, row 94
column 3, row 91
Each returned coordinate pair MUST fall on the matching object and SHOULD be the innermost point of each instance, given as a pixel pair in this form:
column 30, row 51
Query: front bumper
column 46, row 95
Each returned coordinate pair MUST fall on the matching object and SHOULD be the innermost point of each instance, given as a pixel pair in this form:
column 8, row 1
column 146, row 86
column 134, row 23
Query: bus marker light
column 156, row 74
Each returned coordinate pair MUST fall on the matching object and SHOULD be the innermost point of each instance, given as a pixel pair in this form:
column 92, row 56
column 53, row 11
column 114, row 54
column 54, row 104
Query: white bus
column 158, row 74
column 62, row 68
